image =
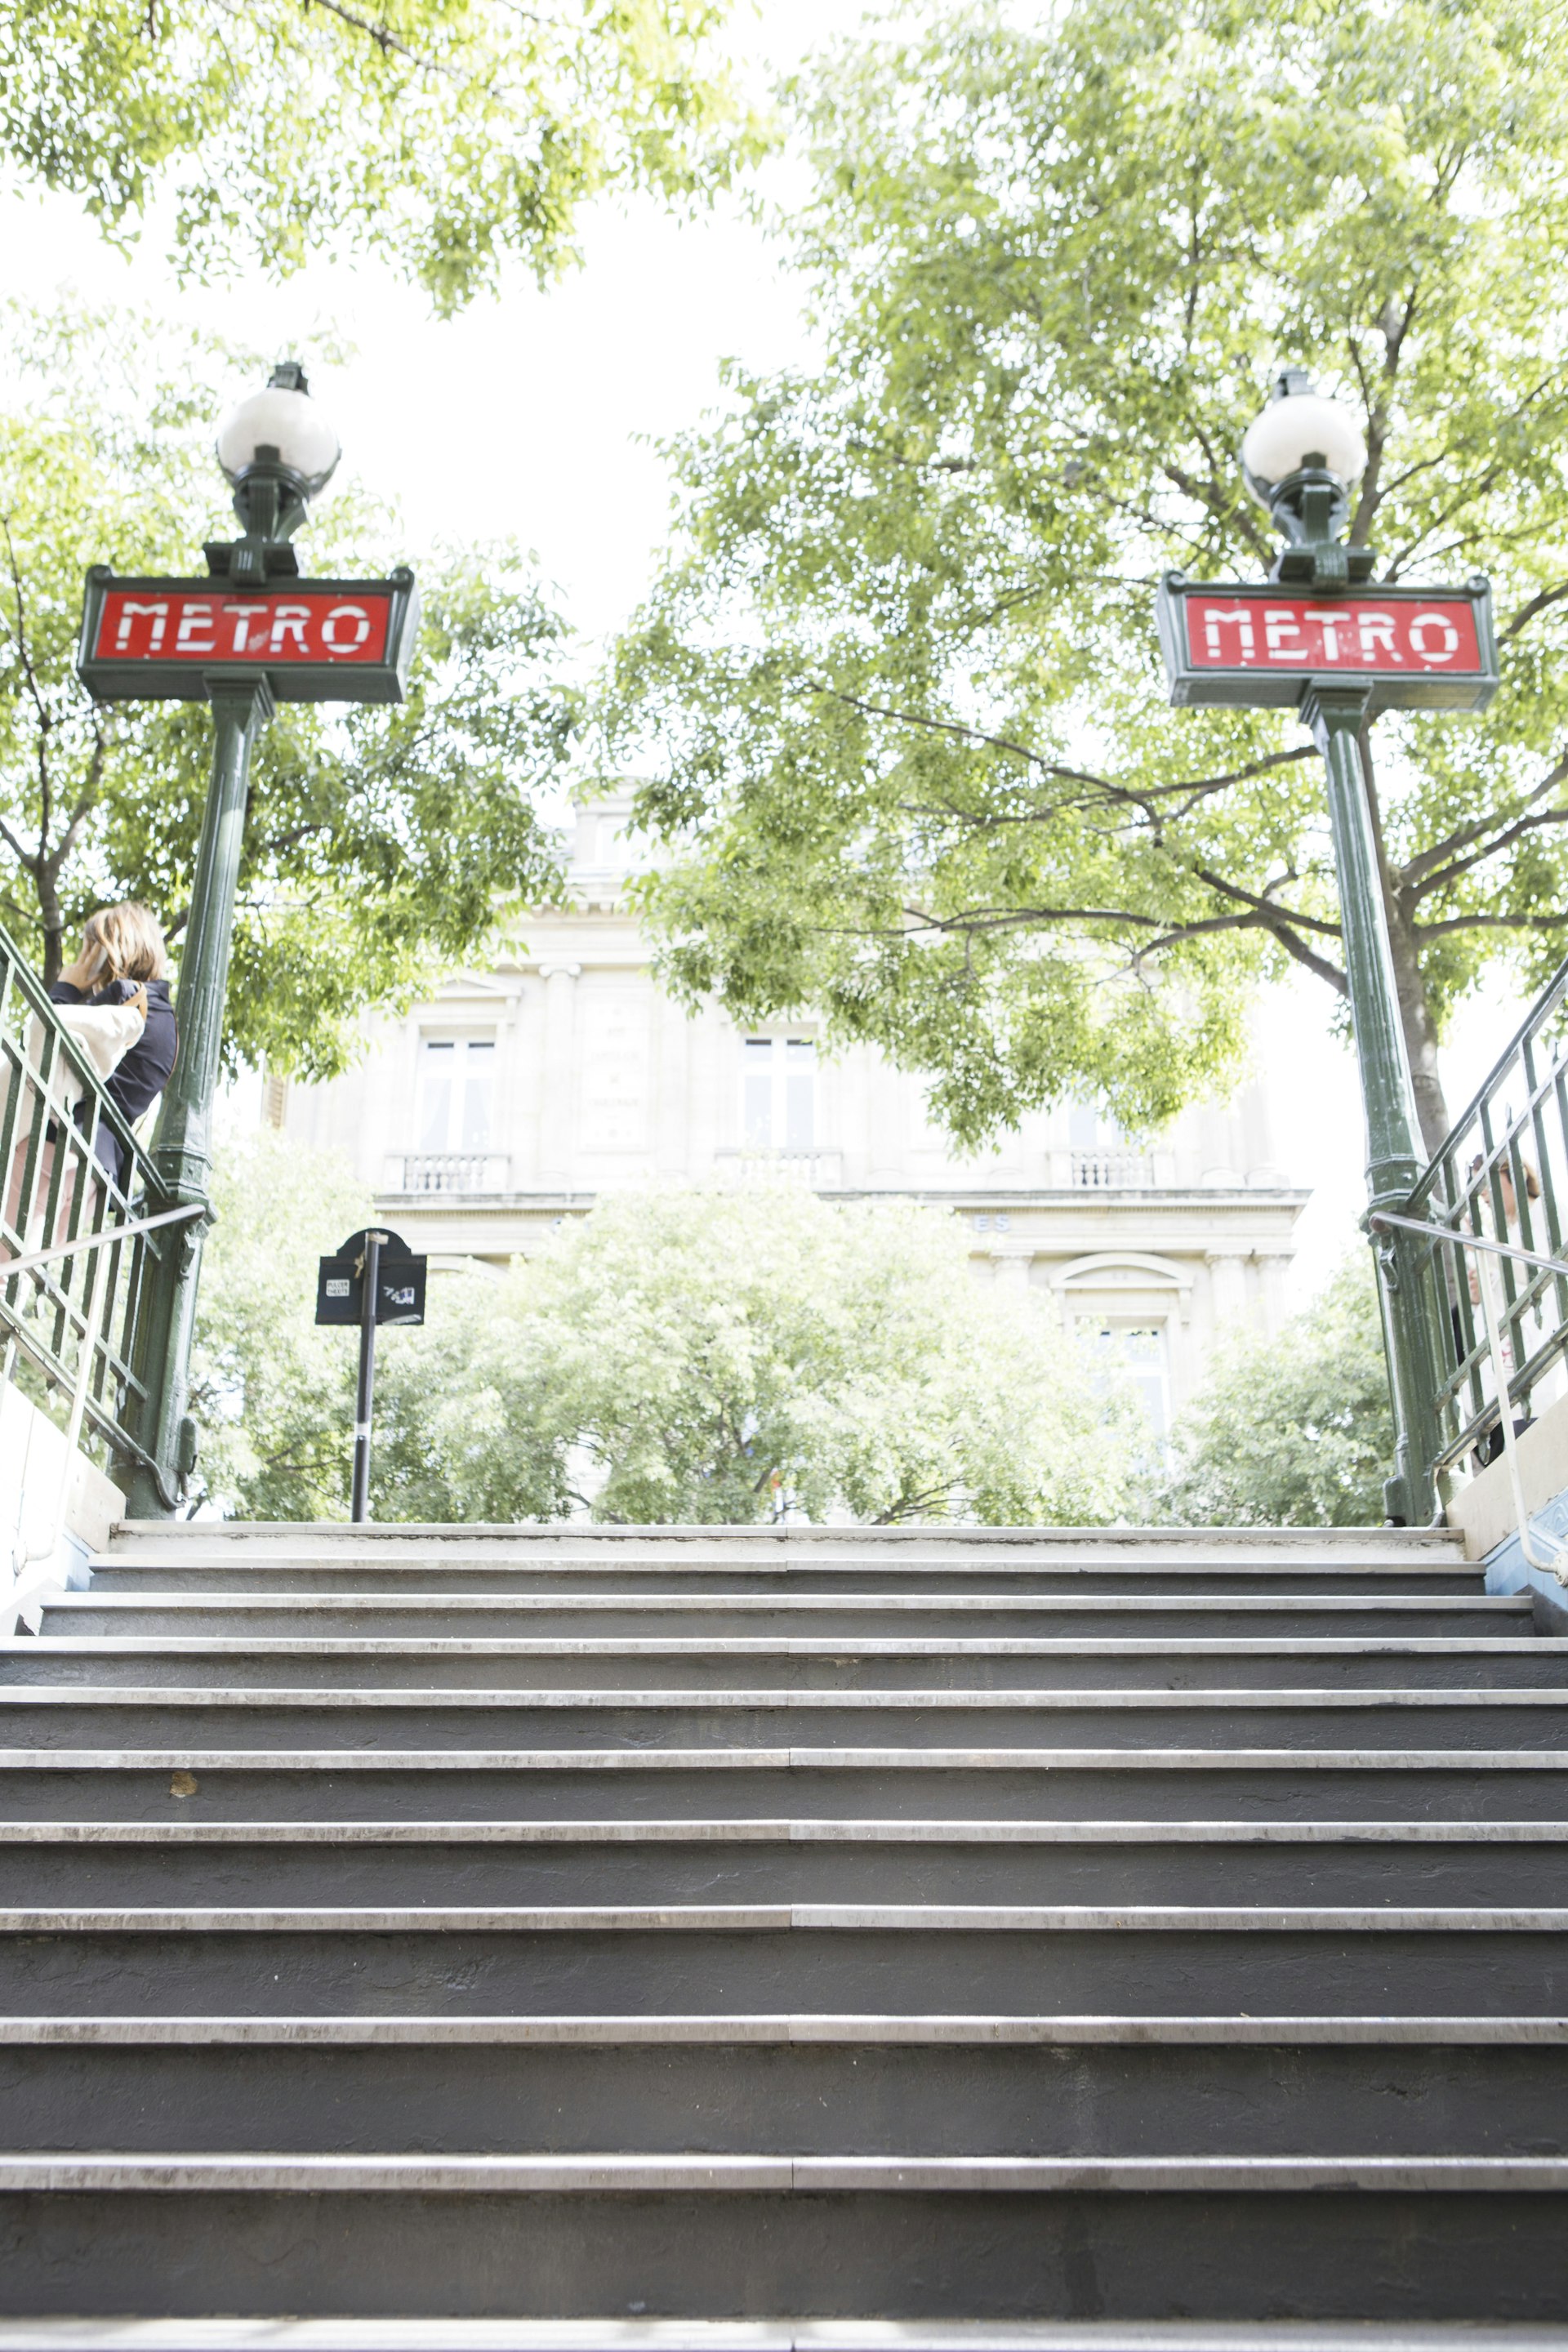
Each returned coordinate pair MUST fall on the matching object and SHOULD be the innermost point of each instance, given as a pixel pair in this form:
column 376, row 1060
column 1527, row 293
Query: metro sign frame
column 309, row 640
column 1263, row 645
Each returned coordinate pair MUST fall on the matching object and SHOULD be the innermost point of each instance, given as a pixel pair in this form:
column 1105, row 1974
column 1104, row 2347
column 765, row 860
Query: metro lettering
column 290, row 626
column 158, row 615
column 194, row 618
column 1343, row 634
column 288, row 621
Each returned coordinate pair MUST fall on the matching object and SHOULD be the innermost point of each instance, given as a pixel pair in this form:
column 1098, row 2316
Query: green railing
column 78, row 1251
column 1488, row 1216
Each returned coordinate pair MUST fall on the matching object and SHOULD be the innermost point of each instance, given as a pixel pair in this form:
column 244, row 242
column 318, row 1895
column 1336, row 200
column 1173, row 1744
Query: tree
column 376, row 841
column 681, row 1355
column 445, row 135
column 272, row 1396
column 1293, row 1431
column 699, row 1355
column 897, row 691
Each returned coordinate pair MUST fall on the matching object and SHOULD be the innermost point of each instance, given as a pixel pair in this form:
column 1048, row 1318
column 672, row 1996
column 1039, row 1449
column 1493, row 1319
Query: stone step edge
column 419, row 1698
column 799, row 1645
column 611, row 2174
column 800, row 1604
column 1446, row 1562
column 791, row 1830
column 792, row 1535
column 783, row 1759
column 753, row 1918
column 772, row 2029
column 621, row 2334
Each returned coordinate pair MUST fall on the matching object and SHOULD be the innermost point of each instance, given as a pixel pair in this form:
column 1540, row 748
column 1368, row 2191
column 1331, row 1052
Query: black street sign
column 399, row 1288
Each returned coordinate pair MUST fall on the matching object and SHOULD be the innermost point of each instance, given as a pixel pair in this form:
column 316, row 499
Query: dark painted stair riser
column 859, row 2098
column 760, row 1869
column 349, row 1790
column 1535, row 1719
column 1088, row 2255
column 1520, row 1661
column 486, row 1971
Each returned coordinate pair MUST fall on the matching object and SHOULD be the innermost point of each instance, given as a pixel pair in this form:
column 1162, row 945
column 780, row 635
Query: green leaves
column 378, row 842
column 686, row 1356
column 897, row 694
column 446, row 135
column 1292, row 1432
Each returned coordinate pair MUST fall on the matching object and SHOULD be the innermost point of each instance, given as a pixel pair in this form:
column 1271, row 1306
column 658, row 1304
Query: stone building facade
column 515, row 1095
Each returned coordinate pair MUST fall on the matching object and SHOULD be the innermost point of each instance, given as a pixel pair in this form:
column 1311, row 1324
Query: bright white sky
column 533, row 416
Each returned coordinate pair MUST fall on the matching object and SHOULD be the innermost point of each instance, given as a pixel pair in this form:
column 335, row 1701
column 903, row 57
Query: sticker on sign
column 1364, row 635
column 274, row 626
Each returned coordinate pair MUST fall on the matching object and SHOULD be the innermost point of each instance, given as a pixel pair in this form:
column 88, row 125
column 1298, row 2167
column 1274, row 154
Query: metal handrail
column 11, row 1267
column 1383, row 1218
column 1556, row 1559
column 1491, row 1198
column 90, row 1242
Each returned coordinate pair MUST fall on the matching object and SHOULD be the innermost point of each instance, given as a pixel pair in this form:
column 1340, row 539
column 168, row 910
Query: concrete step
column 46, row 1716
column 740, row 2085
column 217, row 1863
column 436, row 1574
column 271, row 2332
column 790, row 1616
column 564, row 1784
column 1007, row 1961
column 211, row 1662
column 286, row 1541
column 1367, row 2237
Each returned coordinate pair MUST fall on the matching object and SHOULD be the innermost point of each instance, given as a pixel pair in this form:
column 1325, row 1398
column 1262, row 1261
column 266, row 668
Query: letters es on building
column 312, row 640
column 1409, row 648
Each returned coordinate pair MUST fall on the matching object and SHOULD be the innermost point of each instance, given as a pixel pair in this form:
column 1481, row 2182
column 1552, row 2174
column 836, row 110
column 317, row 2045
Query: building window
column 778, row 1107
column 457, row 1089
column 1101, row 1158
column 1140, row 1351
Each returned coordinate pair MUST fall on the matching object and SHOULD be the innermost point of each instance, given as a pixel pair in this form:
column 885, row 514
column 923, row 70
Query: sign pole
column 358, row 1509
column 1336, row 715
column 181, row 1150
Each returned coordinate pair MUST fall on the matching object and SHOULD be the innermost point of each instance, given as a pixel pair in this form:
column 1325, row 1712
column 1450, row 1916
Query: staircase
column 633, row 1924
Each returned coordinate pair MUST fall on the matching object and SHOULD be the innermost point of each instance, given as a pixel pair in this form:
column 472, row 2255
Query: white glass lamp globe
column 1301, row 425
column 288, row 422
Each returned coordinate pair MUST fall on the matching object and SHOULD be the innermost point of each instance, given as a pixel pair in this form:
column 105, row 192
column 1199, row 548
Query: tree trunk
column 1420, row 1030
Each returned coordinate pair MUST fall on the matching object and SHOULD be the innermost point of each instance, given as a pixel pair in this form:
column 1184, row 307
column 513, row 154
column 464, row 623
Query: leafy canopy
column 445, row 135
column 898, row 691
column 377, row 842
column 676, row 1356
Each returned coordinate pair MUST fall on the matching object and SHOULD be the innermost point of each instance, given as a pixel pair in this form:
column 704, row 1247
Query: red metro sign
column 1411, row 648
column 307, row 626
column 312, row 640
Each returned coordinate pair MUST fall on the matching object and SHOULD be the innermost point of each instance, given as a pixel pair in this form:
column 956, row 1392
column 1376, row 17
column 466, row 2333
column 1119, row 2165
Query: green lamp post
column 1320, row 637
column 278, row 452
column 1301, row 459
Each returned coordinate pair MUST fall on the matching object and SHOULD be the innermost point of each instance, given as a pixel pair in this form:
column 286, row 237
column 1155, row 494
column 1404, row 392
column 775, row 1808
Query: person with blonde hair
column 121, row 973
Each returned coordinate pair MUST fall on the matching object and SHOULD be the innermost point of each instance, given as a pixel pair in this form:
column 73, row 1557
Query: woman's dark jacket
column 143, row 1072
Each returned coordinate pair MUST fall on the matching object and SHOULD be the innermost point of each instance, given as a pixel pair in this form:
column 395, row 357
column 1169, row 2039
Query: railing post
column 1394, row 1155
column 182, row 1151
